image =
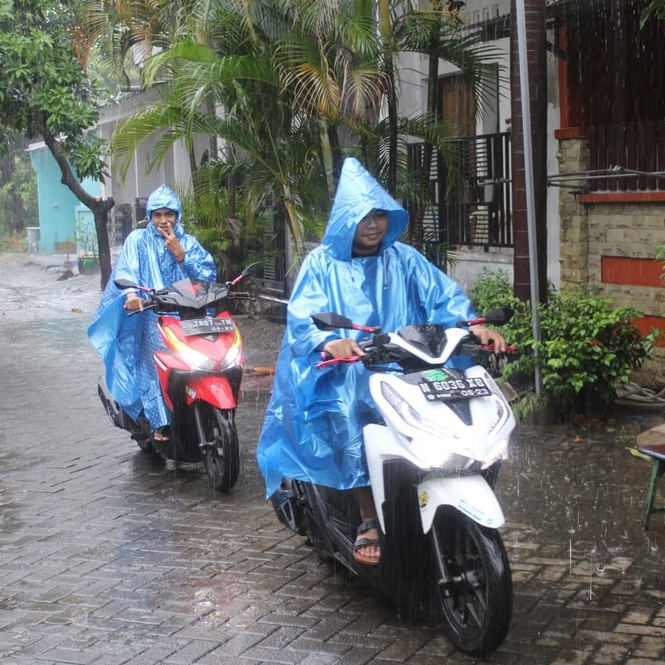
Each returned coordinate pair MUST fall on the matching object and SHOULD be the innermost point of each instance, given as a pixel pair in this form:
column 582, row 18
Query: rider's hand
column 172, row 244
column 489, row 337
column 343, row 348
column 133, row 303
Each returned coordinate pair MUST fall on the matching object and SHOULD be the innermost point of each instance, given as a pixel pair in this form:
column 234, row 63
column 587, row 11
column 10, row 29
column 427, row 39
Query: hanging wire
column 610, row 173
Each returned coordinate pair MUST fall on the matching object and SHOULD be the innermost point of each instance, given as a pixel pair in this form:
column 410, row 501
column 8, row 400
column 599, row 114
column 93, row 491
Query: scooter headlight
column 232, row 356
column 423, row 442
column 406, row 412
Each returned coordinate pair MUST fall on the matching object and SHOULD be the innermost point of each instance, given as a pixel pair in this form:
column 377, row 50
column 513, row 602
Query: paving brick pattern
column 108, row 557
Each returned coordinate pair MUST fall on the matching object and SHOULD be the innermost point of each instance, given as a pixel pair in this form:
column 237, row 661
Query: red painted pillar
column 537, row 65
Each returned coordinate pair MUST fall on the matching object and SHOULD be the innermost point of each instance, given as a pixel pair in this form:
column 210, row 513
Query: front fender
column 471, row 495
column 215, row 390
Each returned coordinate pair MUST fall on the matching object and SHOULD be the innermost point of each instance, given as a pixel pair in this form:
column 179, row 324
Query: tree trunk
column 99, row 207
column 326, row 151
column 294, row 226
column 101, row 215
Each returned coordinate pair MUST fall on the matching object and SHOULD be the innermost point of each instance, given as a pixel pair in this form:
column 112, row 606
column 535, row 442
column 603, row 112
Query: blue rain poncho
column 313, row 423
column 127, row 343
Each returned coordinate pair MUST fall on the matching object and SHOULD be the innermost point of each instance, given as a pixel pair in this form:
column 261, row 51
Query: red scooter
column 199, row 373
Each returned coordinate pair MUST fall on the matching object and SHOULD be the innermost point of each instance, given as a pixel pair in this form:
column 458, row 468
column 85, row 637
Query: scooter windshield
column 427, row 337
column 191, row 294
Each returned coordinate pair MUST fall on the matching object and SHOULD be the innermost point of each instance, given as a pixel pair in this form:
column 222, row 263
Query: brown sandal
column 362, row 543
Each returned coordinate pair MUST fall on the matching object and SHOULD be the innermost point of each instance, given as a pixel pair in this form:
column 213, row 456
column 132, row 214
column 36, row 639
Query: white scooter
column 433, row 464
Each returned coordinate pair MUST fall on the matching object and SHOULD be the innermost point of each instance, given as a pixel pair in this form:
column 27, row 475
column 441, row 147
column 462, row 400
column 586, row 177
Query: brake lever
column 138, row 311
column 490, row 347
column 334, row 361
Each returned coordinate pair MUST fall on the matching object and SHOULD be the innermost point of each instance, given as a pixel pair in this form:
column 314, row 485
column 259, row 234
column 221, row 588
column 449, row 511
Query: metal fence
column 629, row 153
column 471, row 197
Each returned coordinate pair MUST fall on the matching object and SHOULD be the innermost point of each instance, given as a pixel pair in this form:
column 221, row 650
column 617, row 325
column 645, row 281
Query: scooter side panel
column 471, row 495
column 166, row 363
column 380, row 446
column 117, row 415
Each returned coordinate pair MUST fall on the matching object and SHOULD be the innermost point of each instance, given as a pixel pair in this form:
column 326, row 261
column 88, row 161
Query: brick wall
column 621, row 236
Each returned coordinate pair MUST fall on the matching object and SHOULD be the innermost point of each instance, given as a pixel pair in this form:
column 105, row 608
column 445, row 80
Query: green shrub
column 13, row 243
column 587, row 348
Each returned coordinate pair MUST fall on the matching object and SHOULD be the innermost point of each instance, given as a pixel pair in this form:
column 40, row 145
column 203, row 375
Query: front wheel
column 473, row 582
column 221, row 455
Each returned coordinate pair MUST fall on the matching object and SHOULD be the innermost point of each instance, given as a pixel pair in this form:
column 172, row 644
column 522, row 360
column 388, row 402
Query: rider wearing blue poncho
column 314, row 420
column 156, row 257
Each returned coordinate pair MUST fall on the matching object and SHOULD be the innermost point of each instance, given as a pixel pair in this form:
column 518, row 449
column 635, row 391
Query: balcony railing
column 471, row 201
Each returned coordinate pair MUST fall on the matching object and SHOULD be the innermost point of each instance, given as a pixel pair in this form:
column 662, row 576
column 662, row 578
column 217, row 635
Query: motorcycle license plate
column 455, row 389
column 206, row 326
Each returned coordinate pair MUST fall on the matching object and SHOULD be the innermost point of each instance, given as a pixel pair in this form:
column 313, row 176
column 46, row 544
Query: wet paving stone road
column 107, row 557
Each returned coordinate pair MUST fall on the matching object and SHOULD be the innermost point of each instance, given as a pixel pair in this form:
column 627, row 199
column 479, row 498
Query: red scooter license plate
column 206, row 326
column 455, row 389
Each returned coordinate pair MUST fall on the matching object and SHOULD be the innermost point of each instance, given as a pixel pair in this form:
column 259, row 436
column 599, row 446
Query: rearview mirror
column 331, row 321
column 125, row 284
column 252, row 269
column 499, row 317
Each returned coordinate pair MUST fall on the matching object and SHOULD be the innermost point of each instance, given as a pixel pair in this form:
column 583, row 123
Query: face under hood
column 164, row 197
column 357, row 194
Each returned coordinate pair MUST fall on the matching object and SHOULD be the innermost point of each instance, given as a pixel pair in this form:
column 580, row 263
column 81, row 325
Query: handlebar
column 169, row 300
column 380, row 352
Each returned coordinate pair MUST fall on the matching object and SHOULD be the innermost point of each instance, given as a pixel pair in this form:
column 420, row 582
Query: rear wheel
column 473, row 582
column 222, row 456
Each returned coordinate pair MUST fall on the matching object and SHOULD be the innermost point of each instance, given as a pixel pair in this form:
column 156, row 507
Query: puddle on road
column 582, row 493
column 53, row 335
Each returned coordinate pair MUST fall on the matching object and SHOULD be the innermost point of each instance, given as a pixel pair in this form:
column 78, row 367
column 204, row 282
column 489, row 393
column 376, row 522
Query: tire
column 476, row 603
column 222, row 458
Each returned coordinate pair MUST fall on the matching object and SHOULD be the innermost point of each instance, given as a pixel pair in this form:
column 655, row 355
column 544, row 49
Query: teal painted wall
column 58, row 207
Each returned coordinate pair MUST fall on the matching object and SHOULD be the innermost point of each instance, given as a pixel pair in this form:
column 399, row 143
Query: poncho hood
column 164, row 197
column 358, row 193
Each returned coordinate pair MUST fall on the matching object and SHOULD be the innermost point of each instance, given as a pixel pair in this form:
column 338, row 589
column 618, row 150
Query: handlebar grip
column 325, row 356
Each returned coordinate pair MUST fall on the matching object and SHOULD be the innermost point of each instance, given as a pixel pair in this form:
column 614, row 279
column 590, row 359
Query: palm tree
column 331, row 61
column 341, row 60
column 273, row 149
column 291, row 77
